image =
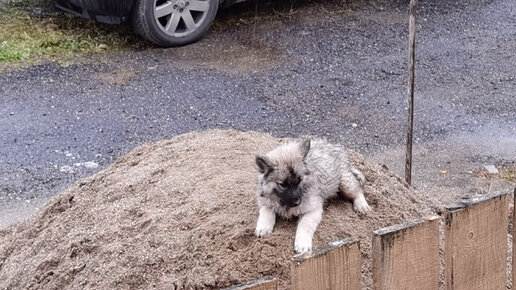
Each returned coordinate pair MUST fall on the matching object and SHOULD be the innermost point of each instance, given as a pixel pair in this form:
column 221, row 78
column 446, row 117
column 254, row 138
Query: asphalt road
column 325, row 68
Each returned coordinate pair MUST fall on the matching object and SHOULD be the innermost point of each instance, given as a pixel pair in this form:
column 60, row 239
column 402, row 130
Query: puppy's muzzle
column 292, row 201
column 296, row 203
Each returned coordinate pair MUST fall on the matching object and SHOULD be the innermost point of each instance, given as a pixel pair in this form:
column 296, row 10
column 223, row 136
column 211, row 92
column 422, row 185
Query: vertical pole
column 255, row 21
column 411, row 63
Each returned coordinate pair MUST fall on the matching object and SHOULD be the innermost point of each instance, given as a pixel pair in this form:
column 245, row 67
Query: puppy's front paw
column 262, row 230
column 360, row 206
column 303, row 243
column 266, row 221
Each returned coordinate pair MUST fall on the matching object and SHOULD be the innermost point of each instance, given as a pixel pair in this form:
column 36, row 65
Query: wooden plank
column 476, row 243
column 266, row 283
column 513, row 241
column 406, row 256
column 336, row 266
column 410, row 91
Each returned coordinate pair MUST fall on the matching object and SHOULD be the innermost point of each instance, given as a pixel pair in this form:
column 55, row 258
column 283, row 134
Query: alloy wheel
column 179, row 18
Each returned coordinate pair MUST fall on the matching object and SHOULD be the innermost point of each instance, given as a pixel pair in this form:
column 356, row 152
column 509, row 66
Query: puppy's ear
column 263, row 162
column 305, row 147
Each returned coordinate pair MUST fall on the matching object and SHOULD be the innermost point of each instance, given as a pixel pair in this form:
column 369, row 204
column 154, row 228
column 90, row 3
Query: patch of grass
column 27, row 36
column 508, row 173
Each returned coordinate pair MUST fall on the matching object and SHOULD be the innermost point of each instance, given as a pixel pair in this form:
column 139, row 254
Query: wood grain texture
column 410, row 89
column 266, row 283
column 476, row 243
column 336, row 266
column 513, row 242
column 406, row 256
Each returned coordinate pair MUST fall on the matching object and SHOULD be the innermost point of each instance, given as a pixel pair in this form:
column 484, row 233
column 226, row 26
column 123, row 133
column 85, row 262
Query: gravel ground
column 334, row 69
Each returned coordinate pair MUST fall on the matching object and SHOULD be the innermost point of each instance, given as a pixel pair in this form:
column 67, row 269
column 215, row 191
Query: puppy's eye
column 282, row 185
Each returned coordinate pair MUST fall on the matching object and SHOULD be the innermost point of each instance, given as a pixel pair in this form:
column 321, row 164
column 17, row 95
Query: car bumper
column 107, row 11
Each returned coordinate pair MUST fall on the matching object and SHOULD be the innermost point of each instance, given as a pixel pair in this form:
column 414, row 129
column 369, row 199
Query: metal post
column 411, row 63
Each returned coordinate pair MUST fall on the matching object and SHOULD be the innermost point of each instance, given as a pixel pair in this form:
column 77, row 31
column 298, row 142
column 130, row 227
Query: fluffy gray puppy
column 296, row 178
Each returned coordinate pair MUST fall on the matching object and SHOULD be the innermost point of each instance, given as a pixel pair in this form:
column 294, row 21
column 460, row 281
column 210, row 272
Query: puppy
column 295, row 179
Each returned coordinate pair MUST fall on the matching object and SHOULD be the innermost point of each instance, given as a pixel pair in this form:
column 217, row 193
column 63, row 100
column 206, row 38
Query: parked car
column 163, row 22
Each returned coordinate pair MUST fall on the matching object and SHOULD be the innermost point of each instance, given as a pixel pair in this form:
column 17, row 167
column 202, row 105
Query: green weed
column 508, row 173
column 54, row 35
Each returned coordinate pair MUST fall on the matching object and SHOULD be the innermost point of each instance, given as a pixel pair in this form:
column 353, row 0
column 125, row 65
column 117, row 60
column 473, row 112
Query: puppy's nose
column 297, row 202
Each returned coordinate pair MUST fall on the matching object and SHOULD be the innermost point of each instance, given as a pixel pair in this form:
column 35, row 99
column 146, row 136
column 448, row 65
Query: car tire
column 173, row 22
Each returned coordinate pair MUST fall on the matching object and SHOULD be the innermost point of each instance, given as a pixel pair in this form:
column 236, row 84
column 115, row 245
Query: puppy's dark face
column 282, row 172
column 289, row 190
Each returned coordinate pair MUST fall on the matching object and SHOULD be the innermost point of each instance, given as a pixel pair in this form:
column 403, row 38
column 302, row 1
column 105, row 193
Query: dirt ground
column 182, row 212
column 323, row 68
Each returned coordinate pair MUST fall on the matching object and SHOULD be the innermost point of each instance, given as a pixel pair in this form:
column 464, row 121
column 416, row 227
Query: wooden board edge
column 474, row 201
column 399, row 227
column 348, row 242
column 266, row 282
column 514, row 239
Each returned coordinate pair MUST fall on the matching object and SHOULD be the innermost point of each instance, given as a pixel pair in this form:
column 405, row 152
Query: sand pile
column 181, row 212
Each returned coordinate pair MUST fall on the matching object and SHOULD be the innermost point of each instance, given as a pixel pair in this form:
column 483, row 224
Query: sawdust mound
column 181, row 212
